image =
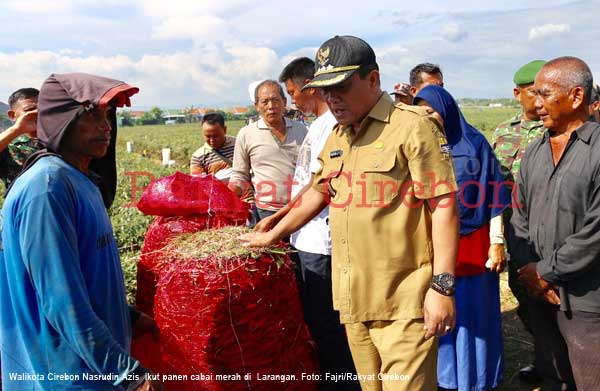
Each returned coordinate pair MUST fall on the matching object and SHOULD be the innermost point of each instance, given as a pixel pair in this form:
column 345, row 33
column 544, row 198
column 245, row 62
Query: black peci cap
column 338, row 58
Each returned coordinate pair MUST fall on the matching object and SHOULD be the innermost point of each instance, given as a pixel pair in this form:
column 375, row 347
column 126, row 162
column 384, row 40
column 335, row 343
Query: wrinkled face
column 270, row 105
column 21, row 107
column 554, row 103
column 303, row 100
column 351, row 100
column 89, row 136
column 214, row 134
column 428, row 78
column 526, row 96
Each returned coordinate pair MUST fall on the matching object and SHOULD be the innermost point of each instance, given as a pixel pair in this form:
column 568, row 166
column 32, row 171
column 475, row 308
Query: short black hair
column 265, row 82
column 298, row 70
column 415, row 78
column 364, row 70
column 22, row 94
column 213, row 119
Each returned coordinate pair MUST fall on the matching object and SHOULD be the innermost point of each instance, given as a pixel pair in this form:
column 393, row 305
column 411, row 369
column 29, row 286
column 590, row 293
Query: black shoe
column 529, row 375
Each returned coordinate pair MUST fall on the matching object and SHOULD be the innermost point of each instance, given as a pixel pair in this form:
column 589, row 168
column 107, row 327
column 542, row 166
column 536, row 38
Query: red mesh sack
column 182, row 195
column 160, row 231
column 173, row 198
column 223, row 315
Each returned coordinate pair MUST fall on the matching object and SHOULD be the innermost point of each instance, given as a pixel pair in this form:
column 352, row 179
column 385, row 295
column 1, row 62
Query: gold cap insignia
column 323, row 56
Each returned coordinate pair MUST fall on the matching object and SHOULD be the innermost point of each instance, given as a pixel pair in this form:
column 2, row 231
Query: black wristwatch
column 443, row 284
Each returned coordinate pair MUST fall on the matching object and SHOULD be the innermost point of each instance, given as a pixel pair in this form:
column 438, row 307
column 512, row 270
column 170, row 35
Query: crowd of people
column 401, row 215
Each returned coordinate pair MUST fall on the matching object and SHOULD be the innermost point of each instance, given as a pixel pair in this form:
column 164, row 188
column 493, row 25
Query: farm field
column 145, row 161
column 130, row 225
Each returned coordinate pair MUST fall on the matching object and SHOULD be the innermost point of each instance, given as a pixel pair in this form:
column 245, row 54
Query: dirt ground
column 518, row 346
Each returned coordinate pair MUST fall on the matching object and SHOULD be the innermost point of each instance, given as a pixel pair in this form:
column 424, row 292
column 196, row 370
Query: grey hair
column 270, row 82
column 575, row 73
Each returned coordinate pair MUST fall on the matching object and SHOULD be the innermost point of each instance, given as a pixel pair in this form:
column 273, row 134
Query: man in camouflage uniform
column 510, row 140
column 19, row 141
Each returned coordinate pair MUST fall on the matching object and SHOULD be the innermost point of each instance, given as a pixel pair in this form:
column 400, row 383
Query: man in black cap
column 64, row 319
column 388, row 178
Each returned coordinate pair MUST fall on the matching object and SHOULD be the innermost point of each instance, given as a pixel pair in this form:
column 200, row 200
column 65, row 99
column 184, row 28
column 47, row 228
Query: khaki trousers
column 393, row 355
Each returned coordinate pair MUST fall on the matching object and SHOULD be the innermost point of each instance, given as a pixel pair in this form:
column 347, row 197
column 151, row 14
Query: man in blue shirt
column 64, row 319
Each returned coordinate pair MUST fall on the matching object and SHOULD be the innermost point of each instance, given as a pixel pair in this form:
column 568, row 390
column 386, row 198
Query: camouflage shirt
column 13, row 157
column 510, row 140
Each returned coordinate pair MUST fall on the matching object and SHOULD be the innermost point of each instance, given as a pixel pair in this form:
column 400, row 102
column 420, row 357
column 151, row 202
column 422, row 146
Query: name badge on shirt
column 336, row 153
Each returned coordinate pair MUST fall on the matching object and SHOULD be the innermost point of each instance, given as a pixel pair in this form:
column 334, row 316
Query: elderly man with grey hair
column 557, row 228
column 266, row 151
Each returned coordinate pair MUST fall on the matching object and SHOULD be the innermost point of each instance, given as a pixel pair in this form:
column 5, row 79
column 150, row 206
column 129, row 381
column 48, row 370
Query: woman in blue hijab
column 470, row 357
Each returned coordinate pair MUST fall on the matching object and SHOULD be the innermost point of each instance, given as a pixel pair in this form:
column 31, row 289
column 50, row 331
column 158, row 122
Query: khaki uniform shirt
column 382, row 251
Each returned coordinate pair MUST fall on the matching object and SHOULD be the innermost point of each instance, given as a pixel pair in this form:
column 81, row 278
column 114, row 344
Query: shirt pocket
column 380, row 172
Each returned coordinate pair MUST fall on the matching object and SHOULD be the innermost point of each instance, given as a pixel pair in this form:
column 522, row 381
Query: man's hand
column 258, row 239
column 536, row 285
column 26, row 124
column 439, row 313
column 497, row 255
column 267, row 223
column 145, row 324
column 150, row 385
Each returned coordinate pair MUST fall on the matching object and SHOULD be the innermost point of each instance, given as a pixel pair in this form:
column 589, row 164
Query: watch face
column 446, row 280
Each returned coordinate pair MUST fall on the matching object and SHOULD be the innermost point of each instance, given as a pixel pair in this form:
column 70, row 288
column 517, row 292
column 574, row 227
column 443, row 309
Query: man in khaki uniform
column 388, row 177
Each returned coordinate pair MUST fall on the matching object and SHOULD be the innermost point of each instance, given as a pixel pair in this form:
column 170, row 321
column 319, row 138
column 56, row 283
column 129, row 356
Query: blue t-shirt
column 63, row 309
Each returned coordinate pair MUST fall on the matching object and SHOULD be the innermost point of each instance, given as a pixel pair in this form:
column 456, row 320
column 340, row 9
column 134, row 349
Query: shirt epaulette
column 421, row 111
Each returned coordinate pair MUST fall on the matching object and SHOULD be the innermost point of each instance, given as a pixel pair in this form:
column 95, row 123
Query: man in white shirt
column 313, row 241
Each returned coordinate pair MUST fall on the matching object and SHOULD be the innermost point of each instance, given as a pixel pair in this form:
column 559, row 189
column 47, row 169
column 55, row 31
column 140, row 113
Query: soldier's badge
column 379, row 145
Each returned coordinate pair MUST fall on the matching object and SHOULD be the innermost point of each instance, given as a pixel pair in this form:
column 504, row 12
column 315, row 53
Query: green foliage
column 486, row 119
column 5, row 123
column 183, row 139
column 126, row 118
column 134, row 173
column 505, row 102
column 129, row 264
column 152, row 117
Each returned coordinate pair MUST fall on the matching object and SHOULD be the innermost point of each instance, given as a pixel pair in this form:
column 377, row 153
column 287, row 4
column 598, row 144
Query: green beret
column 526, row 74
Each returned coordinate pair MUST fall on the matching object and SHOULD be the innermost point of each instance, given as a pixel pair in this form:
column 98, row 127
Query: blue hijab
column 482, row 193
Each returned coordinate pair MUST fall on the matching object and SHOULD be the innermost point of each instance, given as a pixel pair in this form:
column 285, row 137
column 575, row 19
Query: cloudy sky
column 206, row 52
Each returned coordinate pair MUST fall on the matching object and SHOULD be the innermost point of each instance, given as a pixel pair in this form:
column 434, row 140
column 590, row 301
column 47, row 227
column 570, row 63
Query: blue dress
column 471, row 357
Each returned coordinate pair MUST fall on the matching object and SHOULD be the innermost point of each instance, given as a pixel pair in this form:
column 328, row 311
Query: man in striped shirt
column 216, row 155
